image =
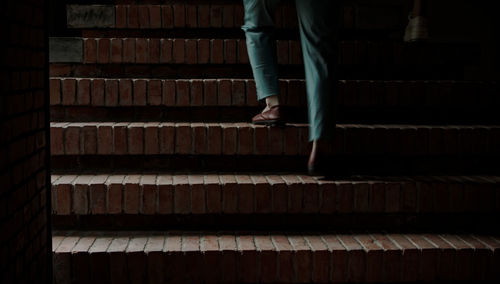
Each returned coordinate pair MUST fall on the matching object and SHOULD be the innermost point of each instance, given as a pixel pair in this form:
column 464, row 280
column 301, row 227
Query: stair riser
column 344, row 166
column 247, row 139
column 278, row 258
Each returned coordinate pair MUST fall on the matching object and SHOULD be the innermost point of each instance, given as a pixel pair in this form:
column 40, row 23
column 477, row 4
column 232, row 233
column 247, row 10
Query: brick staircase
column 159, row 178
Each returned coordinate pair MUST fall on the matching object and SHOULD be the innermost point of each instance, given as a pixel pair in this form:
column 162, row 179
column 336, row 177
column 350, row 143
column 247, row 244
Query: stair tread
column 268, row 256
column 266, row 193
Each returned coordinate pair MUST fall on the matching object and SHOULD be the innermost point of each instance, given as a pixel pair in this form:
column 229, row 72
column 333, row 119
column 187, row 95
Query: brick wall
column 24, row 206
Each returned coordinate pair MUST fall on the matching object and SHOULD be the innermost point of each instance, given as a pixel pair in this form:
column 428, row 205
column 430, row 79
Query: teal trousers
column 318, row 31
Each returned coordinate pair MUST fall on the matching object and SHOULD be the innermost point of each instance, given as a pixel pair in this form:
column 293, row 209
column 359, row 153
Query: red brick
column 291, row 140
column 295, row 193
column 125, row 90
column 374, row 258
column 228, row 16
column 280, row 193
column 213, row 192
column 203, row 51
column 199, row 138
column 182, row 195
column 214, row 139
column 229, row 194
column 464, row 257
column 168, row 93
column 321, row 259
column 408, row 197
column 111, row 97
column 392, row 197
column 338, row 268
column 447, row 255
column 345, row 196
column 136, row 138
column 117, row 260
column 72, row 140
column 183, row 92
column 242, row 52
column 104, row 138
column 246, row 198
column 81, row 194
column 197, row 194
column 224, row 94
column 120, row 138
column 167, row 16
column 120, row 16
column 151, row 145
column 183, row 143
column 179, row 15
column 154, row 92
column 260, row 139
column 129, row 50
column 56, row 140
column 191, row 51
column 149, row 193
column 481, row 257
column 357, row 260
column 410, row 258
column 136, row 260
column 62, row 259
column 263, row 195
column 303, row 259
column 132, row 194
column 238, row 92
column 154, row 50
column 311, row 197
column 155, row 16
column 103, row 50
column 89, row 133
column 140, row 92
column 165, row 194
column 216, row 16
column 247, row 260
column 228, row 258
column 361, row 197
column 268, row 259
column 196, row 90
column 80, row 269
column 166, row 49
column 116, row 50
column 392, row 258
column 98, row 91
column 144, row 17
column 191, row 16
column 251, row 93
column 245, row 139
column 238, row 15
column 230, row 51
column 285, row 259
column 295, row 52
column 217, row 51
column 428, row 257
column 141, row 50
column 68, row 91
column 203, row 16
column 98, row 194
column 156, row 261
column 133, row 16
column 63, row 194
column 229, row 139
column 83, row 92
column 426, row 197
column 211, row 257
column 55, row 91
column 167, row 138
column 114, row 184
column 90, row 50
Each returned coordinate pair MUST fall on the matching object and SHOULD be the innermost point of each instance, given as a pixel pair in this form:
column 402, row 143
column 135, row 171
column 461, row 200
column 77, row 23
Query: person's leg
column 261, row 45
column 318, row 34
column 417, row 29
column 318, row 27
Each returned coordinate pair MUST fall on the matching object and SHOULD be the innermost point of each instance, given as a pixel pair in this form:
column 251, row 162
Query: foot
column 271, row 116
column 417, row 29
column 318, row 164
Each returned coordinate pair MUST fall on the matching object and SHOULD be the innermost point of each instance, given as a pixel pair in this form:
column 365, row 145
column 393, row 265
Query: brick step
column 245, row 139
column 223, row 15
column 234, row 51
column 272, row 257
column 215, row 100
column 243, row 200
